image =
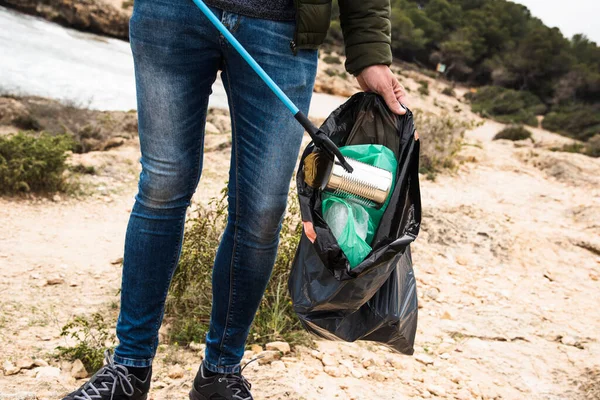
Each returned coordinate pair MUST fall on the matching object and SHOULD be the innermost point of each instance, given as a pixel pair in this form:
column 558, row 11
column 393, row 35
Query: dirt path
column 507, row 266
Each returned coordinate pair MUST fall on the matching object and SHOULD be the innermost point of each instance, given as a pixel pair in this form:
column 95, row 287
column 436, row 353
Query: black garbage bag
column 376, row 300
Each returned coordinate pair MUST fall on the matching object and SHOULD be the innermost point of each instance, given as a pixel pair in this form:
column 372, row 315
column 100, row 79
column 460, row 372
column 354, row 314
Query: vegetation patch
column 31, row 162
column 514, row 133
column 424, row 87
column 91, row 337
column 188, row 306
column 590, row 148
column 506, row 105
column 442, row 140
column 576, row 121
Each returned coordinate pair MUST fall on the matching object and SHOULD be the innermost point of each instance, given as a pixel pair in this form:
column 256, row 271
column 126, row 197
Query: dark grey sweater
column 280, row 10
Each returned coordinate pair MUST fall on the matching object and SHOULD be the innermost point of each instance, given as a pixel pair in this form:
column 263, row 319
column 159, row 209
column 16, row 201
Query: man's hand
column 379, row 79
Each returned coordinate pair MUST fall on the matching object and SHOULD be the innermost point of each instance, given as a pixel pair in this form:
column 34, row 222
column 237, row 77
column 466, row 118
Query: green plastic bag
column 353, row 224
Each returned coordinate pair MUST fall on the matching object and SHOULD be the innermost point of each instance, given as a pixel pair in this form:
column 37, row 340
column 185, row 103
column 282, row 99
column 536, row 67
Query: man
column 177, row 54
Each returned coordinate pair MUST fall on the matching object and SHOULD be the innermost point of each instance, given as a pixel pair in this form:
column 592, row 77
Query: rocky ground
column 507, row 264
column 508, row 269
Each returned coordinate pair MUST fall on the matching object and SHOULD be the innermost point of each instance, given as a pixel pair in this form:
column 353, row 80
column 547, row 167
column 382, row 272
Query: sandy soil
column 508, row 269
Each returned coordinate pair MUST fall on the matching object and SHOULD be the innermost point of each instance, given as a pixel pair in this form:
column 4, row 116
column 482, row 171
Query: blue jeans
column 177, row 55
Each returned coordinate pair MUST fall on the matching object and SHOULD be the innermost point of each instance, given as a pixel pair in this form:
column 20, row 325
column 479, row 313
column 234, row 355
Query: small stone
column 78, row 370
column 283, row 347
column 10, row 369
column 329, row 360
column 424, row 359
column 248, row 354
column 256, row 348
column 432, row 293
column 332, row 371
column 593, row 276
column 47, row 372
column 158, row 385
column 199, row 347
column 571, row 341
column 38, row 362
column 447, row 315
column 25, row 363
column 211, row 129
column 462, row 260
column 463, row 394
column 268, row 356
column 357, row 373
column 316, row 354
column 54, row 281
column 278, row 365
column 444, row 356
column 117, row 261
column 377, row 375
column 367, row 362
column 436, row 390
column 176, row 372
column 56, row 198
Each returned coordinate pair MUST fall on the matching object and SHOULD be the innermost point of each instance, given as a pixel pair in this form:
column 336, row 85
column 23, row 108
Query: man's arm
column 367, row 37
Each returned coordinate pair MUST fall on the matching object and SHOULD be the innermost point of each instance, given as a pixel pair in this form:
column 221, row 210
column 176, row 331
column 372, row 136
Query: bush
column 424, row 88
column 506, row 105
column 579, row 121
column 449, row 91
column 332, row 60
column 515, row 132
column 442, row 139
column 92, row 337
column 33, row 163
column 188, row 307
column 590, row 148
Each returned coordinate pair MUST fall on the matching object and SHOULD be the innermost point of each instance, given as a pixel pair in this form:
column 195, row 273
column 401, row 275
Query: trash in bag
column 353, row 221
column 377, row 299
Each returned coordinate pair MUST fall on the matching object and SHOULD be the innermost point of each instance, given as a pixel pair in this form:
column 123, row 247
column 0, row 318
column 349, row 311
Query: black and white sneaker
column 113, row 382
column 209, row 386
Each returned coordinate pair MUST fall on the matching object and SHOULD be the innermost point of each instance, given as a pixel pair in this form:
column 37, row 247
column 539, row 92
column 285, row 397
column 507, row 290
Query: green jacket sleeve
column 367, row 33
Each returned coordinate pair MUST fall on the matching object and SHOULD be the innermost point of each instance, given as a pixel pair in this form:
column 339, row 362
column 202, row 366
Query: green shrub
column 332, row 60
column 27, row 122
column 590, row 148
column 92, row 337
column 515, row 132
column 424, row 87
column 449, row 91
column 442, row 139
column 33, row 163
column 189, row 304
column 506, row 105
column 579, row 121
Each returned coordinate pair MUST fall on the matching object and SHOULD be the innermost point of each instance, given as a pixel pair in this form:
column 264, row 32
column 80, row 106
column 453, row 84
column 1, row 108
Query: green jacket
column 365, row 24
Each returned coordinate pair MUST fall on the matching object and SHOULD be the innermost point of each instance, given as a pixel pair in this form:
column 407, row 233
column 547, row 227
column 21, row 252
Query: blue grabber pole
column 319, row 138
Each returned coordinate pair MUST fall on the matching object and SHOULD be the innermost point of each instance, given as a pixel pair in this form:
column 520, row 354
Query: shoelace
column 109, row 377
column 239, row 383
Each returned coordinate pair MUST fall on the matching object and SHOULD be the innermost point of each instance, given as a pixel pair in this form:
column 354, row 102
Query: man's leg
column 266, row 141
column 177, row 56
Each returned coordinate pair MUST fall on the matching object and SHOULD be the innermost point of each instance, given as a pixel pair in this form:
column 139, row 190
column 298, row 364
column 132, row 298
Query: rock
column 436, row 390
column 112, row 143
column 569, row 340
column 316, row 354
column 329, row 360
column 432, row 293
column 211, row 129
column 25, row 363
column 38, row 362
column 357, row 373
column 47, row 372
column 221, row 122
column 158, row 385
column 444, row 356
column 268, row 356
column 283, row 347
column 377, row 375
column 462, row 260
column 117, row 261
column 78, row 370
column 10, row 369
column 199, row 347
column 424, row 359
column 332, row 371
column 55, row 281
column 447, row 315
column 176, row 372
column 463, row 394
column 56, row 198
column 256, row 348
column 367, row 362
column 278, row 365
column 248, row 354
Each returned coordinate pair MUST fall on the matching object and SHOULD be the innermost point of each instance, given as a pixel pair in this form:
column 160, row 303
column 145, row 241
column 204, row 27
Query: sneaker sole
column 194, row 395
